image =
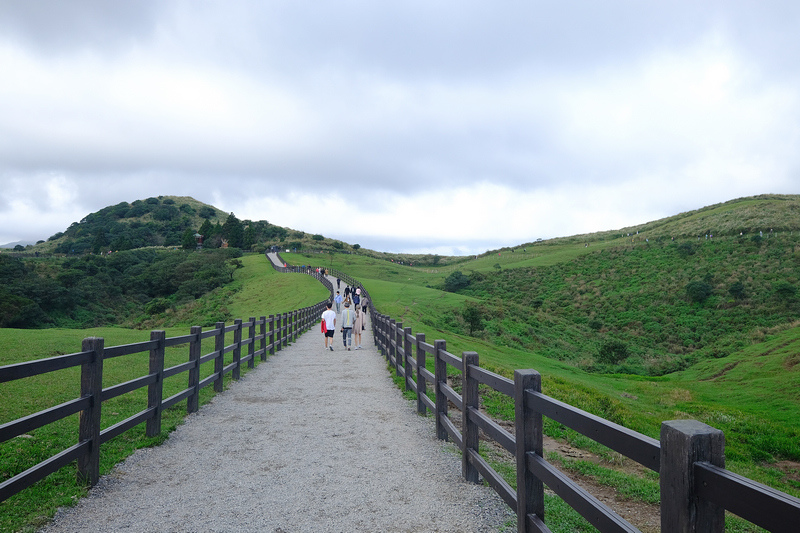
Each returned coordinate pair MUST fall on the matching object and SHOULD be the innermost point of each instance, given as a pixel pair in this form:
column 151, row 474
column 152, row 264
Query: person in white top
column 329, row 318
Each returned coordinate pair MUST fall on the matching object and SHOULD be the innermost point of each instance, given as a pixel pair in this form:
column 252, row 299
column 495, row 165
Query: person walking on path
column 346, row 292
column 329, row 318
column 358, row 325
column 338, row 299
column 338, row 283
column 348, row 317
column 364, row 304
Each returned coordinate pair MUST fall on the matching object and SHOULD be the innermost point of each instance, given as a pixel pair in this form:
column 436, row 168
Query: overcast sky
column 413, row 126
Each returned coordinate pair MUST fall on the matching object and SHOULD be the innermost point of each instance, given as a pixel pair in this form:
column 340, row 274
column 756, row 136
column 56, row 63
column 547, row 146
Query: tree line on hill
column 160, row 222
column 96, row 290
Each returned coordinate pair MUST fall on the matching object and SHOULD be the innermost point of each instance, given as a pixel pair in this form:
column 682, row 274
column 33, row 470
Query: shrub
column 737, row 290
column 612, row 352
column 698, row 291
column 686, row 249
column 317, row 237
column 456, row 281
column 785, row 291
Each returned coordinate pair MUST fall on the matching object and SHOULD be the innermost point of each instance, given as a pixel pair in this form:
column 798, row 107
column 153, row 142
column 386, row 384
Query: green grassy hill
column 637, row 328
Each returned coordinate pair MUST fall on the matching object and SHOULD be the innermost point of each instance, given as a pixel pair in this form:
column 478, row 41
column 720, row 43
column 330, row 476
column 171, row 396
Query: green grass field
column 257, row 291
column 739, row 370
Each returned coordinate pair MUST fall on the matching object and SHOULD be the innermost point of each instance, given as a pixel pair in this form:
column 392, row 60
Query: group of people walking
column 349, row 317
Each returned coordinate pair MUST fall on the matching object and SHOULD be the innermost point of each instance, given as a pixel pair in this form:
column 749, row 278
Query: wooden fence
column 696, row 489
column 270, row 334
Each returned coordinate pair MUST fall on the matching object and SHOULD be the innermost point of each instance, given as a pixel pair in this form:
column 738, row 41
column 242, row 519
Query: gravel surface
column 310, row 440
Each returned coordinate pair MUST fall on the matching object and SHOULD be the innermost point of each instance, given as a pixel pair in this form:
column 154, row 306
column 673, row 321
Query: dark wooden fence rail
column 267, row 334
column 695, row 487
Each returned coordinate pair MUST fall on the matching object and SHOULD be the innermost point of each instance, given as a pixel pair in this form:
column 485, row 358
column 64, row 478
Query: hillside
column 649, row 300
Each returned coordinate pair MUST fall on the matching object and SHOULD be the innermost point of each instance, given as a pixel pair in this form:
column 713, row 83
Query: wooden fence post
column 219, row 347
column 272, row 334
column 251, row 348
column 529, row 437
column 195, row 349
column 422, row 384
column 262, row 322
column 285, row 331
column 469, row 428
column 683, row 443
column 89, row 419
column 155, row 389
column 296, row 320
column 237, row 349
column 391, row 341
column 440, row 371
column 407, row 355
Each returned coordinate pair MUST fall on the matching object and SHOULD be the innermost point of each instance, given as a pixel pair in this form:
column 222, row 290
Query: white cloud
column 446, row 131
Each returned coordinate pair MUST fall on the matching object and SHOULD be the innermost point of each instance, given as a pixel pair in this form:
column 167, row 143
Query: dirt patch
column 722, row 372
column 791, row 361
column 790, row 469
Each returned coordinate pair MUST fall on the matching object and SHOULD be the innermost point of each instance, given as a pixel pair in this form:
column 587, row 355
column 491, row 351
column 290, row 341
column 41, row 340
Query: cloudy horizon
column 448, row 127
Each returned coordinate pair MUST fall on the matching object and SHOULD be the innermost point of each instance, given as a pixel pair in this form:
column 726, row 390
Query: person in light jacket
column 348, row 317
column 358, row 325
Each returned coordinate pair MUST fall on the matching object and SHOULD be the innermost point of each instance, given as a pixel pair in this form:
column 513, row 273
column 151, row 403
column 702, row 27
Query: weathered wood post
column 195, row 349
column 391, row 341
column 89, row 419
column 407, row 356
column 285, row 331
column 295, row 327
column 251, row 347
column 155, row 389
column 272, row 334
column 529, row 437
column 469, row 428
column 237, row 349
column 440, row 371
column 683, row 443
column 422, row 384
column 219, row 348
column 262, row 323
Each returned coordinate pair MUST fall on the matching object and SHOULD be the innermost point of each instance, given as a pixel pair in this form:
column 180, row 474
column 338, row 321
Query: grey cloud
column 56, row 27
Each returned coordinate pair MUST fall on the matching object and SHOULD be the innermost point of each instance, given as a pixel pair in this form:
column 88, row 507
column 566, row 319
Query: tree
column 456, row 281
column 187, row 240
column 356, row 247
column 207, row 212
column 317, row 237
column 249, row 237
column 698, row 291
column 473, row 317
column 233, row 232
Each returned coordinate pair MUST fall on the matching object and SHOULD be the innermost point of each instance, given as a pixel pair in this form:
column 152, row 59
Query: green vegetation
column 121, row 288
column 693, row 316
column 257, row 290
column 640, row 325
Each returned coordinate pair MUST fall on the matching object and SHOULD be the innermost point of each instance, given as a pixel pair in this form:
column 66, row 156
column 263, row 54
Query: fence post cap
column 689, row 427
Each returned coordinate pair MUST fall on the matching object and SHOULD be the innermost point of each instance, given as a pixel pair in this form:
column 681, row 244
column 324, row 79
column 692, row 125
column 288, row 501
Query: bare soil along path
column 311, row 440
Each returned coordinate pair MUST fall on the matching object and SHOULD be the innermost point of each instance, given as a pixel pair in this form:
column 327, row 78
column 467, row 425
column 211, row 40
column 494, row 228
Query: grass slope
column 257, row 291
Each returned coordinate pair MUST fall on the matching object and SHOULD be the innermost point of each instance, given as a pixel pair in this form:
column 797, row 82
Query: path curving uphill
column 309, row 441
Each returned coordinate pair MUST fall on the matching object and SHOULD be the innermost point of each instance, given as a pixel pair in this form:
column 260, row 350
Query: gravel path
column 311, row 440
